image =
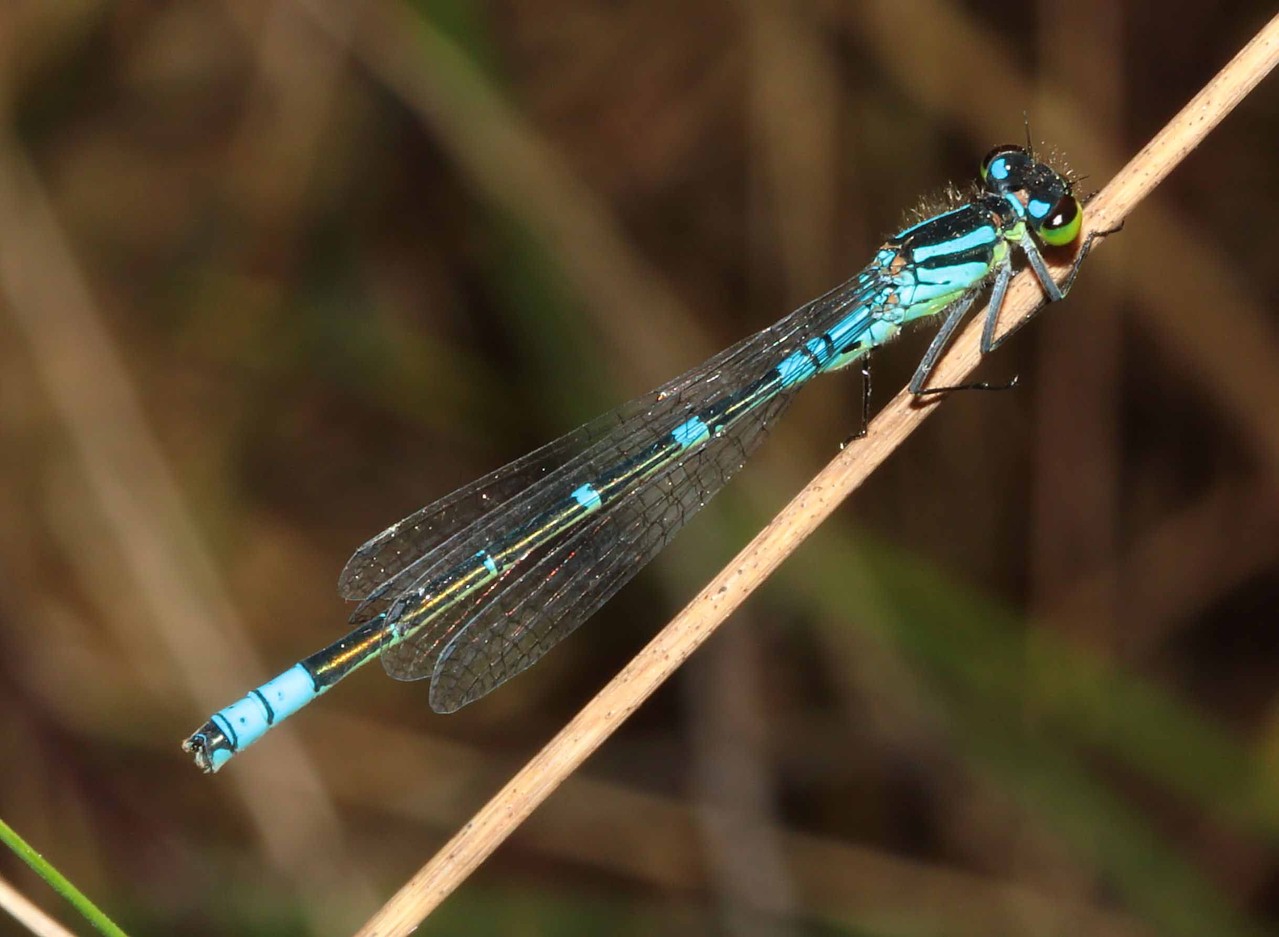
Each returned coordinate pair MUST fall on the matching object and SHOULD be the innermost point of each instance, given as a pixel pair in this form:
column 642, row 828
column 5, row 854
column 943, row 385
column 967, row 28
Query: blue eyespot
column 999, row 164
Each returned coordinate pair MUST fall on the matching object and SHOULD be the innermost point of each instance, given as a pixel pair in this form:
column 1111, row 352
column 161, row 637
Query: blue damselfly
column 476, row 587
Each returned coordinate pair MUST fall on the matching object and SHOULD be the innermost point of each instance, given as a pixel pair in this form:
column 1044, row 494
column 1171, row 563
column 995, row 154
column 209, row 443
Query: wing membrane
column 498, row 630
column 375, row 568
column 547, row 602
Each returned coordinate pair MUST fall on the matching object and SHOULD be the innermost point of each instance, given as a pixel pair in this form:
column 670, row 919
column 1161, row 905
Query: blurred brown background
column 273, row 275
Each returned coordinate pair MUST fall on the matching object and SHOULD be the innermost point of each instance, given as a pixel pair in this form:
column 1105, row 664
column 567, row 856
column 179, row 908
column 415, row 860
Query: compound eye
column 1002, row 162
column 1061, row 225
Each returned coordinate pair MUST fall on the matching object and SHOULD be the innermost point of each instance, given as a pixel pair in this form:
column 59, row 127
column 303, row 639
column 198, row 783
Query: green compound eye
column 1062, row 225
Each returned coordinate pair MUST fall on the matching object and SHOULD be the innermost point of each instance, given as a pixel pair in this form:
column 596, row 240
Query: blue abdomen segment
column 850, row 330
column 690, row 433
column 811, row 357
column 587, row 497
column 247, row 720
column 233, row 729
column 796, row 367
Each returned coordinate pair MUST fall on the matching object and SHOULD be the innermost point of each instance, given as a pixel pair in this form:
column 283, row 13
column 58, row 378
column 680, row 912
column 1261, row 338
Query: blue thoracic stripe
column 882, row 330
column 981, row 237
column 943, row 282
column 690, row 433
column 587, row 497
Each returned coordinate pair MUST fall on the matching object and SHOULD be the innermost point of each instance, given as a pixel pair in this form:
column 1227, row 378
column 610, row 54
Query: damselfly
column 476, row 587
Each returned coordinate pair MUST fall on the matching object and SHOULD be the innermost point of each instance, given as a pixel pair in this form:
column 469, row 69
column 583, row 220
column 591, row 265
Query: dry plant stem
column 28, row 914
column 686, row 632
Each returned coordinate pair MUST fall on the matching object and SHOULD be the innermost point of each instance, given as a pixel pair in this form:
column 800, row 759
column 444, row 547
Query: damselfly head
column 1045, row 195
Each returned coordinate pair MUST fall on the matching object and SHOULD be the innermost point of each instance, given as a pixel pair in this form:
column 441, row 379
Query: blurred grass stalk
column 686, row 632
column 58, row 882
